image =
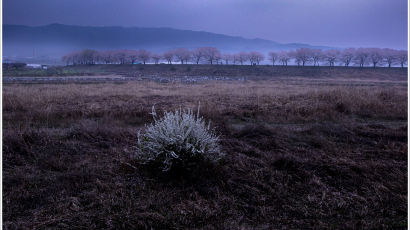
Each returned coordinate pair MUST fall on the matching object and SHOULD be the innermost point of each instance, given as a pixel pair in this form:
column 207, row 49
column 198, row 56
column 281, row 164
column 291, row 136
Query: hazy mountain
column 55, row 40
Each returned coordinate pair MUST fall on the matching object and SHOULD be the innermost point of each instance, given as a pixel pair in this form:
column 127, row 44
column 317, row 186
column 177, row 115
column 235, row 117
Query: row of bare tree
column 211, row 55
column 346, row 57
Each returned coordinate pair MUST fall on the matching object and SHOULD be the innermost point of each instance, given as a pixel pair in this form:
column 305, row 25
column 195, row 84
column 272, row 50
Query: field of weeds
column 260, row 72
column 300, row 153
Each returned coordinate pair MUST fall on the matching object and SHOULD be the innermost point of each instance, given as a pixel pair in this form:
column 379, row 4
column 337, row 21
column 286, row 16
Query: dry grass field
column 301, row 153
column 264, row 72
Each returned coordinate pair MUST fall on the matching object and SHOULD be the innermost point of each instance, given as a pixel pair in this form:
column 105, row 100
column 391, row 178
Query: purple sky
column 341, row 23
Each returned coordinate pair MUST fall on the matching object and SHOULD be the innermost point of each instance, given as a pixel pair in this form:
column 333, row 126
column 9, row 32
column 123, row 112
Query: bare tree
column 211, row 53
column 255, row 57
column 242, row 57
column 218, row 58
column 375, row 56
column 97, row 57
column 67, row 59
column 106, row 57
column 156, row 58
column 304, row 55
column 178, row 54
column 284, row 57
column 72, row 58
column 361, row 57
column 316, row 56
column 120, row 56
column 235, row 58
column 132, row 56
column 75, row 57
column 273, row 57
column 402, row 57
column 143, row 56
column 346, row 56
column 251, row 58
column 389, row 56
column 169, row 56
column 182, row 54
column 187, row 56
column 198, row 54
column 88, row 57
column 292, row 55
column 331, row 56
column 227, row 58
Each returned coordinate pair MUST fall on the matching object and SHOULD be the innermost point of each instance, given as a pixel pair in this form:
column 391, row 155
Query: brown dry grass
column 300, row 154
column 263, row 72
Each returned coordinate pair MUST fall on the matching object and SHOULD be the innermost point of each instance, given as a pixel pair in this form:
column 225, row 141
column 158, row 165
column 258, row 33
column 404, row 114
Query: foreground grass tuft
column 179, row 139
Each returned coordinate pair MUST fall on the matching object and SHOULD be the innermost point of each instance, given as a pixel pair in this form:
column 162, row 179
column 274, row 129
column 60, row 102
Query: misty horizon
column 172, row 28
column 377, row 23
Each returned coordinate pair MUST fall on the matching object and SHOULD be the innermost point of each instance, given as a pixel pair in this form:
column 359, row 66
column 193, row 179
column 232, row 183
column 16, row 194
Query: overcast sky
column 341, row 23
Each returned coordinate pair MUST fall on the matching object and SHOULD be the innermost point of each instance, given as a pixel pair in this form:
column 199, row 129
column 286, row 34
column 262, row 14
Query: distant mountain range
column 54, row 40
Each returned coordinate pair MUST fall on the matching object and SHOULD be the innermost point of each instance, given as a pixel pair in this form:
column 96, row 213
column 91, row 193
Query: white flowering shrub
column 178, row 139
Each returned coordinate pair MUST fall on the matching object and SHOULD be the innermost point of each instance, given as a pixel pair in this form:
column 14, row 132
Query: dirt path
column 119, row 78
column 71, row 79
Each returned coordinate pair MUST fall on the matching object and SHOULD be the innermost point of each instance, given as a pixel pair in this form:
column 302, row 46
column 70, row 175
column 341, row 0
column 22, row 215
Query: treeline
column 210, row 55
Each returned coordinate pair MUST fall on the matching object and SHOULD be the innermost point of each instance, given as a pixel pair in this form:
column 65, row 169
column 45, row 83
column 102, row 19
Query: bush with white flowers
column 178, row 139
